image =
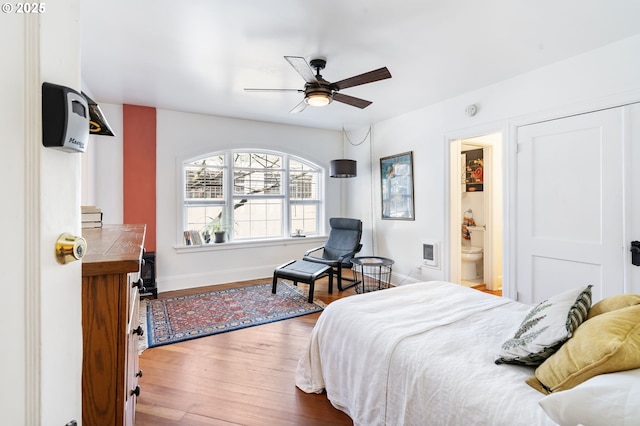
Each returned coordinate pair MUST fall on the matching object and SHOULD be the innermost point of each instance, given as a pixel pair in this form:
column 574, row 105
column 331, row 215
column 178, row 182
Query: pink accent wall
column 139, row 175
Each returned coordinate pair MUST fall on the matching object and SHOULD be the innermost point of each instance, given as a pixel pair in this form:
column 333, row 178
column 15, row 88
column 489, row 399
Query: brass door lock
column 70, row 248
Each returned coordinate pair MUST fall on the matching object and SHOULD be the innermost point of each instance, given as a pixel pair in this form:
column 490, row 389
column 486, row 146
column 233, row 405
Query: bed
column 422, row 354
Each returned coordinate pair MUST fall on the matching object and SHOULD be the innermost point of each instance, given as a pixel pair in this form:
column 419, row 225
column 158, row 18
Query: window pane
column 203, row 182
column 256, row 160
column 303, row 185
column 214, row 160
column 242, row 160
column 258, row 218
column 261, row 182
column 199, row 216
column 304, row 217
column 298, row 165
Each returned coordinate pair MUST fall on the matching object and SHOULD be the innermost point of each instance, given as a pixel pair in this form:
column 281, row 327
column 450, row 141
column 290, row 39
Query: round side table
column 372, row 272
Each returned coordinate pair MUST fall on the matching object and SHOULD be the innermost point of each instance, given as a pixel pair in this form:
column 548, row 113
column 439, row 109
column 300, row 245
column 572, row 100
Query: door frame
column 451, row 261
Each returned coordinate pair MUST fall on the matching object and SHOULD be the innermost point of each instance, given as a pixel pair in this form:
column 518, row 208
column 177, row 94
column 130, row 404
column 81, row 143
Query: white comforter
column 420, row 354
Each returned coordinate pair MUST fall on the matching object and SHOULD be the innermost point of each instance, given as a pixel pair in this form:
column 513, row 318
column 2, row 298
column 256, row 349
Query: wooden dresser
column 110, row 326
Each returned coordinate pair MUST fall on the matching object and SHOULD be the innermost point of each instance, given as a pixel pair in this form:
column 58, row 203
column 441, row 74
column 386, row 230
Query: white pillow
column 604, row 400
column 546, row 327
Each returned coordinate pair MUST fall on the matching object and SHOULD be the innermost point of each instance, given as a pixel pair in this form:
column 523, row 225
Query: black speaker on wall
column 148, row 274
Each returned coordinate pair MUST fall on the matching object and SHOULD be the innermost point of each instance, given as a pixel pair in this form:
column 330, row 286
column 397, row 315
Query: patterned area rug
column 182, row 318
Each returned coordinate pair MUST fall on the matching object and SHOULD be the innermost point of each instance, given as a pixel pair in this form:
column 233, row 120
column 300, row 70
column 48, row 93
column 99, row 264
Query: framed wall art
column 473, row 170
column 396, row 174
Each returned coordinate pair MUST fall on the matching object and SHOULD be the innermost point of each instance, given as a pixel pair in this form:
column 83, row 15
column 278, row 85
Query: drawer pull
column 139, row 283
column 139, row 373
column 139, row 331
column 135, row 391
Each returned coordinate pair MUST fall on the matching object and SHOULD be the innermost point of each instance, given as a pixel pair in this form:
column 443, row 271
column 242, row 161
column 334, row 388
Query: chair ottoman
column 304, row 272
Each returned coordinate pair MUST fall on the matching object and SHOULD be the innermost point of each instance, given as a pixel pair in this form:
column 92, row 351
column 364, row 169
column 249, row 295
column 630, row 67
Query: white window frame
column 229, row 196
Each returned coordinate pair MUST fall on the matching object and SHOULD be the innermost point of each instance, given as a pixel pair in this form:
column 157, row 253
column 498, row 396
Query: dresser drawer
column 133, row 296
column 135, row 331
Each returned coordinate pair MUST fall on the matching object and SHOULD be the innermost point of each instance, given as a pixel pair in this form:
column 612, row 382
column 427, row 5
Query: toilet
column 472, row 254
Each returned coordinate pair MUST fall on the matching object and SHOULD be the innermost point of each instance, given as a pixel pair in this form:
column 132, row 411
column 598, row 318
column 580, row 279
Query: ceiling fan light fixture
column 318, row 99
column 318, row 92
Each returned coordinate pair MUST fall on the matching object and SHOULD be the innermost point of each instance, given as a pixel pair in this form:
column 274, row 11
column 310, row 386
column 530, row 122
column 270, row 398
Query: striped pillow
column 546, row 327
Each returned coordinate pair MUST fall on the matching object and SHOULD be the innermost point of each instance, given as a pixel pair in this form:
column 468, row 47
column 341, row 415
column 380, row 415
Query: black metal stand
column 374, row 272
column 148, row 275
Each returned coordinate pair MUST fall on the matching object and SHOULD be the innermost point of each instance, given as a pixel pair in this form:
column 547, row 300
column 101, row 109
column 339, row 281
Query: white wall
column 596, row 78
column 181, row 136
column 422, row 133
column 103, row 184
column 358, row 147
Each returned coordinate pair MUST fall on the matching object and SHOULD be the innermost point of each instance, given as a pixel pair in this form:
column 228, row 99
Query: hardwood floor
column 483, row 288
column 243, row 377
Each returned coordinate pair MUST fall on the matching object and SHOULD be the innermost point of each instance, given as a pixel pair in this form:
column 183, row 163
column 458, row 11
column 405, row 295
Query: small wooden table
column 304, row 272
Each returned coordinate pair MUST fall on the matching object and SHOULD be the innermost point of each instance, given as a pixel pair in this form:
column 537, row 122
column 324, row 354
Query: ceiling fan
column 319, row 92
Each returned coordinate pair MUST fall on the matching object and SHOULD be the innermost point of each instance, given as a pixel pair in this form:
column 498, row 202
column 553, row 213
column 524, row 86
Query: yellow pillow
column 614, row 302
column 603, row 344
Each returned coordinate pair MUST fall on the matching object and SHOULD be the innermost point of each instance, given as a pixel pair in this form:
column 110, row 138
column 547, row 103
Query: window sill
column 241, row 245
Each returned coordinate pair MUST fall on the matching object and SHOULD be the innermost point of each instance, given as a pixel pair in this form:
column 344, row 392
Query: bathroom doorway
column 475, row 211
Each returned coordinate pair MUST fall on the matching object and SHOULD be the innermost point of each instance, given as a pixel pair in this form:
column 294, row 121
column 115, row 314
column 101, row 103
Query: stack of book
column 91, row 217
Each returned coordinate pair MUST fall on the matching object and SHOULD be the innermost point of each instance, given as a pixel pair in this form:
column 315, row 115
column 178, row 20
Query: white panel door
column 570, row 206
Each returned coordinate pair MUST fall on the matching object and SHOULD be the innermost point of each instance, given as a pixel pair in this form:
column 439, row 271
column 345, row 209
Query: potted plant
column 217, row 228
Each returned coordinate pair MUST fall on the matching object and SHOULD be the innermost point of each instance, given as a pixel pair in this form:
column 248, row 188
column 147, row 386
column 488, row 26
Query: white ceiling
column 198, row 55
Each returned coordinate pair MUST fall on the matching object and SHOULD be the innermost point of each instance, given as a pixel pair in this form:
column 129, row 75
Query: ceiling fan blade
column 368, row 77
column 299, row 108
column 350, row 100
column 274, row 90
column 300, row 64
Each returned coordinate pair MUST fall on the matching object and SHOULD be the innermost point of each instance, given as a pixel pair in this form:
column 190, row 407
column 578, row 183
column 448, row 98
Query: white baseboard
column 214, row 277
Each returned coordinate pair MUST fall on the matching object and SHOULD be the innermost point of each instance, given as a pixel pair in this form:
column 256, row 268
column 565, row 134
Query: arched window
column 252, row 195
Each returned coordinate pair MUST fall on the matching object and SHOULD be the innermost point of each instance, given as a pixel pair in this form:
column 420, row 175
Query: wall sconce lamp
column 343, row 168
